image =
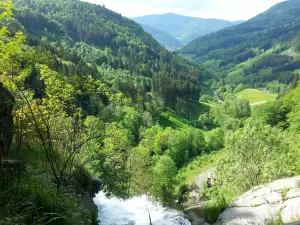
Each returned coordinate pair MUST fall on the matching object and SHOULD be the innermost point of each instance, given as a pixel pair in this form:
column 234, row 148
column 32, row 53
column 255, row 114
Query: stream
column 135, row 211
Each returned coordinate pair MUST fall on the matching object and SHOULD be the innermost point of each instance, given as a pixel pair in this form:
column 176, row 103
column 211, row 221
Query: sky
column 220, row 9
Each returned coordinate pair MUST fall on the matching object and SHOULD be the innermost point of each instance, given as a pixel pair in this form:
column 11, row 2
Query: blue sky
column 221, row 9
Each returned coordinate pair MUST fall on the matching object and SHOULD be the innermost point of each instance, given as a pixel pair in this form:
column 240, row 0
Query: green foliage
column 160, row 152
column 291, row 106
column 206, row 98
column 229, row 114
column 39, row 203
column 181, row 145
column 111, row 159
column 271, row 113
column 239, row 88
column 34, row 200
column 164, row 174
column 6, row 9
column 215, row 140
column 215, row 204
column 206, row 121
column 276, row 87
column 256, row 154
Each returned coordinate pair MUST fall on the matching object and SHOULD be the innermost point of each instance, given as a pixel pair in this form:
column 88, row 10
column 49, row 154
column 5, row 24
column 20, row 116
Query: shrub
column 215, row 204
column 206, row 98
column 38, row 202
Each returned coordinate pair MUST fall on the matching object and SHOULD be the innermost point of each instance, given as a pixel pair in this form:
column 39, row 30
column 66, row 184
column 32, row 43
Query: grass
column 256, row 96
column 276, row 220
column 199, row 166
column 172, row 120
column 169, row 119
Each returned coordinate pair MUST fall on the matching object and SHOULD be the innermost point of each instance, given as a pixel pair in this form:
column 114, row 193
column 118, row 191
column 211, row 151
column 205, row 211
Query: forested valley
column 90, row 102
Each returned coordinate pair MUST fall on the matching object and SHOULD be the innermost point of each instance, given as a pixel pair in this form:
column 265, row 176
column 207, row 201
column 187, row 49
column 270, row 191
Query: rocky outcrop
column 6, row 120
column 87, row 201
column 200, row 181
column 193, row 214
column 279, row 200
column 194, row 204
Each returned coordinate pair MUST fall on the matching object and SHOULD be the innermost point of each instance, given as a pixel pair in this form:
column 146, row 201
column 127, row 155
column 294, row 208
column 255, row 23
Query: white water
column 134, row 211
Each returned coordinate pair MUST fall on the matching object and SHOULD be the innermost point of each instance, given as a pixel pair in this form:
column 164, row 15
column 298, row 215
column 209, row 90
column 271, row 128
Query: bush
column 206, row 121
column 206, row 98
column 215, row 203
column 239, row 88
column 38, row 202
column 215, row 140
column 256, row 154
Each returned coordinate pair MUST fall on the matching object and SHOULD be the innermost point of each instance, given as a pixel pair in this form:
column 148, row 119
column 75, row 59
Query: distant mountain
column 258, row 51
column 184, row 28
column 163, row 38
column 238, row 22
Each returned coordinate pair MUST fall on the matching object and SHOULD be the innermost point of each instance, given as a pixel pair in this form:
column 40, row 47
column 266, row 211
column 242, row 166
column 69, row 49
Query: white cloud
column 222, row 9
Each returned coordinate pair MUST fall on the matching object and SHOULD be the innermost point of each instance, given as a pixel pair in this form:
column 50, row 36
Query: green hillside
column 256, row 52
column 105, row 39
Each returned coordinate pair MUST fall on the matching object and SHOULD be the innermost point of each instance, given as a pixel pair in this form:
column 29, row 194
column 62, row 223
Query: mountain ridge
column 163, row 38
column 184, row 28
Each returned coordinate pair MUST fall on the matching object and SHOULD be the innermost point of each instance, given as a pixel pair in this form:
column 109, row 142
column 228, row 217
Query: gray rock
column 264, row 203
column 255, row 200
column 193, row 215
column 247, row 215
column 202, row 179
column 88, row 203
column 291, row 210
column 293, row 193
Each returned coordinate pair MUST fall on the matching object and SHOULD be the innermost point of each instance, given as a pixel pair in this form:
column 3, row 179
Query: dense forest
column 257, row 52
column 106, row 41
column 98, row 104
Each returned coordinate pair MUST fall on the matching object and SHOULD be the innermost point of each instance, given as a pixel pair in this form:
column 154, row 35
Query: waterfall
column 135, row 211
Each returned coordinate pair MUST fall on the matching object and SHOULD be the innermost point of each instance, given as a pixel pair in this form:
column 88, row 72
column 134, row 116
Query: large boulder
column 279, row 200
column 6, row 120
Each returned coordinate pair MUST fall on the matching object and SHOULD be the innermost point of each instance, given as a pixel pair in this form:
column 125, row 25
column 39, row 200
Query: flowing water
column 135, row 211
